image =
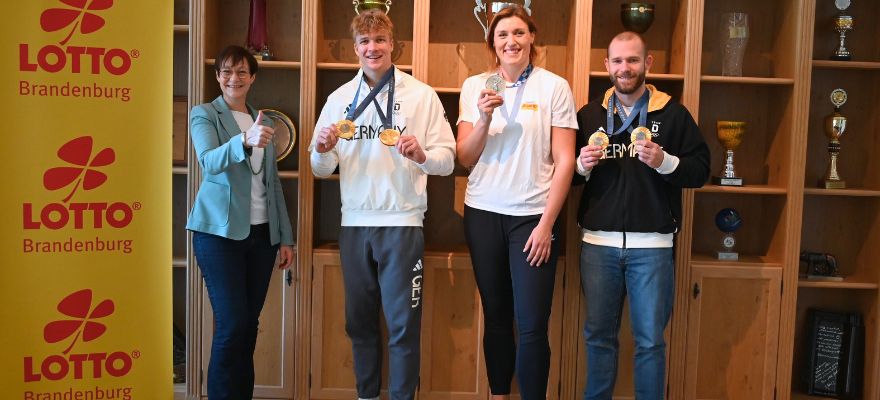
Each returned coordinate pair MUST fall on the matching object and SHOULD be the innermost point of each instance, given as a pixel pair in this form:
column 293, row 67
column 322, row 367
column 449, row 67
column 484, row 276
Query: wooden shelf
column 181, row 28
column 179, row 170
column 649, row 78
column 745, row 260
column 844, row 284
column 289, row 174
column 828, row 64
column 332, row 177
column 452, row 90
column 352, row 66
column 842, row 192
column 747, row 189
column 746, row 80
column 292, row 65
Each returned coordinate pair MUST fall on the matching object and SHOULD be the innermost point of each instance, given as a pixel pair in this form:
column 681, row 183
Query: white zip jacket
column 380, row 187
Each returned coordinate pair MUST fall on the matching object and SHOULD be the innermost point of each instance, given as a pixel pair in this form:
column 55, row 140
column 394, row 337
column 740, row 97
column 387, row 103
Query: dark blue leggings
column 510, row 287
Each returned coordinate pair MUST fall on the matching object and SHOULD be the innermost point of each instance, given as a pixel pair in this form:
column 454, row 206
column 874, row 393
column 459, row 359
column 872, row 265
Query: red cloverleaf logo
column 55, row 19
column 79, row 306
column 78, row 152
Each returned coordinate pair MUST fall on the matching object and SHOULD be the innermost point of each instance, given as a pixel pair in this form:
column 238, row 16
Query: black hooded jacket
column 624, row 194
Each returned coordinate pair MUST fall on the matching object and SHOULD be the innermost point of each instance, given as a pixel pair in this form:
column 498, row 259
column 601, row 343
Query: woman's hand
column 488, row 101
column 258, row 135
column 539, row 245
column 286, row 254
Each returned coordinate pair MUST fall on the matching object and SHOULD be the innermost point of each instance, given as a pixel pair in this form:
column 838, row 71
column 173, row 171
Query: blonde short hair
column 373, row 20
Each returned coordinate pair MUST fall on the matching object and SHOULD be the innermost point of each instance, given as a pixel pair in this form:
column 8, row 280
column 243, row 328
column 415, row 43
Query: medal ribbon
column 387, row 121
column 521, row 84
column 354, row 113
column 640, row 109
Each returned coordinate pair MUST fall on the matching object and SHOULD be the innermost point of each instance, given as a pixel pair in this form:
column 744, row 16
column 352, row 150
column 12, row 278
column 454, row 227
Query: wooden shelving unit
column 745, row 321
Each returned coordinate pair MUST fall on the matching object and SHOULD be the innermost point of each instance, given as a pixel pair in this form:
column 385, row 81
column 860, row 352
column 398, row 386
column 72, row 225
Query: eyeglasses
column 227, row 73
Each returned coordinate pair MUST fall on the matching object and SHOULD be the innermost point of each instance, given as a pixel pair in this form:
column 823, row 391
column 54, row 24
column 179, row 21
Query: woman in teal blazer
column 239, row 220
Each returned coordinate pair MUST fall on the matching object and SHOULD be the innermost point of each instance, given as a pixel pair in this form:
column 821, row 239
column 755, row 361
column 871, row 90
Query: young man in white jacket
column 387, row 132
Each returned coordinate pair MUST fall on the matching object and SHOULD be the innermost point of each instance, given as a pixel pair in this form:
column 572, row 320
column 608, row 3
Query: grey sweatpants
column 382, row 266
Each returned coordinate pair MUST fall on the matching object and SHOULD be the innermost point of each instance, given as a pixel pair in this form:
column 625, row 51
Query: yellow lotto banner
column 86, row 284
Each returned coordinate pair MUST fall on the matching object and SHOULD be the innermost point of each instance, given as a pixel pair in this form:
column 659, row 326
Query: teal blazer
column 223, row 203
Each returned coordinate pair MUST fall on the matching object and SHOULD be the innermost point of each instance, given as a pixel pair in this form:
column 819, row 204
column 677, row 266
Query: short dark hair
column 518, row 11
column 235, row 54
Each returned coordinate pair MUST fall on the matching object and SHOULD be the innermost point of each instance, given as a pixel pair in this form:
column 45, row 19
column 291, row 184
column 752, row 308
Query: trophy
column 734, row 38
column 363, row 5
column 285, row 133
column 257, row 38
column 728, row 221
column 842, row 24
column 637, row 17
column 493, row 7
column 835, row 125
column 730, row 135
column 820, row 266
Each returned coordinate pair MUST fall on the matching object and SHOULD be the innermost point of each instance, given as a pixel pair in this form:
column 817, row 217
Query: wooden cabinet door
column 452, row 332
column 332, row 363
column 733, row 324
column 273, row 356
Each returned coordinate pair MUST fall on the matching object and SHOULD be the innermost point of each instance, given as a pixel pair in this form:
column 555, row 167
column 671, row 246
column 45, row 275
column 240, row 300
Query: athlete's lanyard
column 520, row 84
column 353, row 113
column 640, row 109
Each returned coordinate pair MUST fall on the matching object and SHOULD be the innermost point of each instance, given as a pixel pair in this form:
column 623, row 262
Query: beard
column 639, row 81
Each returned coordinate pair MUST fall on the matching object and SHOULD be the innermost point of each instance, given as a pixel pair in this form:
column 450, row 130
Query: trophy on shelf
column 842, row 24
column 730, row 135
column 728, row 221
column 257, row 38
column 364, row 5
column 734, row 38
column 820, row 266
column 493, row 7
column 835, row 125
column 637, row 17
column 285, row 133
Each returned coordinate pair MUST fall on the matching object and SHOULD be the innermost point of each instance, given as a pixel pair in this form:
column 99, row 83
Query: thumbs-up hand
column 258, row 135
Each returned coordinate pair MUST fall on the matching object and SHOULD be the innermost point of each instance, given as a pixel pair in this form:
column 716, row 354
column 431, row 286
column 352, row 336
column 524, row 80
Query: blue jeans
column 647, row 276
column 237, row 274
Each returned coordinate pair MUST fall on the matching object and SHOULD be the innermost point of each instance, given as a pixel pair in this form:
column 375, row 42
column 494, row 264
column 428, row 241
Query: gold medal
column 640, row 133
column 496, row 83
column 389, row 137
column 600, row 139
column 345, row 129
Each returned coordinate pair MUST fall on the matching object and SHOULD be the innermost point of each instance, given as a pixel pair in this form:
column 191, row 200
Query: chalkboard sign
column 836, row 350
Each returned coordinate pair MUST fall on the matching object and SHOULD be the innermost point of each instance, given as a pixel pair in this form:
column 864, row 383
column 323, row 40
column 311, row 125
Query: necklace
column 251, row 167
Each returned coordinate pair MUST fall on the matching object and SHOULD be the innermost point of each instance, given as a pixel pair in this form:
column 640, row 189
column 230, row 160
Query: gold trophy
column 835, row 125
column 363, row 5
column 842, row 24
column 490, row 8
column 730, row 135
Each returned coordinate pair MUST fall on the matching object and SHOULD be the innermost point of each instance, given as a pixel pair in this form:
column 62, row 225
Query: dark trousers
column 511, row 289
column 382, row 266
column 236, row 274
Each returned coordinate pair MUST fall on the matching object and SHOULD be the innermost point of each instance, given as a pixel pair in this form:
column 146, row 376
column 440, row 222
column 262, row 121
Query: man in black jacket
column 636, row 150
